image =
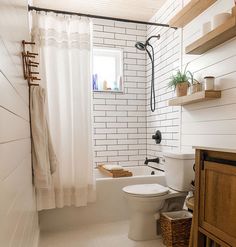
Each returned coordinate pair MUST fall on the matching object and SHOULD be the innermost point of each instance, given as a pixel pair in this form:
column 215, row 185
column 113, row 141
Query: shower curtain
column 64, row 46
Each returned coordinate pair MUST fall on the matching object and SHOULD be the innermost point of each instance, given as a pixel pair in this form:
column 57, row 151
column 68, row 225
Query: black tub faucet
column 155, row 160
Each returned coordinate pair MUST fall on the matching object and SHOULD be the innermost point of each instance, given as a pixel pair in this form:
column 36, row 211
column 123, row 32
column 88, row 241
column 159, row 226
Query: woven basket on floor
column 175, row 228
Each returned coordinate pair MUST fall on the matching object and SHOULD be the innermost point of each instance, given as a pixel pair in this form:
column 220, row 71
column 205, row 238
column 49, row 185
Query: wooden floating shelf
column 214, row 38
column 189, row 12
column 196, row 97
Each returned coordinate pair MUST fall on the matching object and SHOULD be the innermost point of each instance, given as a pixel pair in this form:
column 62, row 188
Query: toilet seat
column 146, row 190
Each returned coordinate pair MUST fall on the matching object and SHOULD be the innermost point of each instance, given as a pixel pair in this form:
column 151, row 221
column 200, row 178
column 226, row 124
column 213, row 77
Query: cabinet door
column 218, row 201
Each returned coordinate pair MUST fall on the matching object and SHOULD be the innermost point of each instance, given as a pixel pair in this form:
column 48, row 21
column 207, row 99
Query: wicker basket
column 175, row 228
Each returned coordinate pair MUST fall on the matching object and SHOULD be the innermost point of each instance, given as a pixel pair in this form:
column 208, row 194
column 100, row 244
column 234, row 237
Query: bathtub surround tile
column 100, row 159
column 107, row 153
column 96, row 235
column 106, row 131
column 167, row 58
column 116, row 125
column 118, row 147
column 114, row 112
column 177, row 125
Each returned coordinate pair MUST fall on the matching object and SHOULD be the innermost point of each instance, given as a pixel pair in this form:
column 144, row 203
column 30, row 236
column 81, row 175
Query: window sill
column 108, row 91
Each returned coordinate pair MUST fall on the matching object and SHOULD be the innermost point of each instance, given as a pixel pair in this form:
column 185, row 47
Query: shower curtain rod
column 30, row 8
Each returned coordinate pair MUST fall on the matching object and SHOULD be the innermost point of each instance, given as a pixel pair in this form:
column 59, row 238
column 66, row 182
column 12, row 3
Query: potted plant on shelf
column 181, row 82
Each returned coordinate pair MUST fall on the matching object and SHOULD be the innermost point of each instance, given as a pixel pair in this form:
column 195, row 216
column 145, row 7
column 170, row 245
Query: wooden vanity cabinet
column 215, row 198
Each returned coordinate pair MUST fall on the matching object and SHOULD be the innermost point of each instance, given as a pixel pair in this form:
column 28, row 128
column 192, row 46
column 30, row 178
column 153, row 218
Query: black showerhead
column 143, row 46
column 140, row 46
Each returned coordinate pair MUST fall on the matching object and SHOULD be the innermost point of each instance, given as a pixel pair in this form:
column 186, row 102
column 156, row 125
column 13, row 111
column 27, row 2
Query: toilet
column 145, row 201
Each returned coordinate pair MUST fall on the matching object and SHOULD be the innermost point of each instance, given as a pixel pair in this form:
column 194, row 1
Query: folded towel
column 112, row 167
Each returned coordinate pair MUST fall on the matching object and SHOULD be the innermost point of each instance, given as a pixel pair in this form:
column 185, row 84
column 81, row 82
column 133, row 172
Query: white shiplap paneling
column 211, row 123
column 19, row 223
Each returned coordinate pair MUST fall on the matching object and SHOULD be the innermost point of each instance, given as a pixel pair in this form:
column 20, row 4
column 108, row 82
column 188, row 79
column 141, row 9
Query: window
column 107, row 69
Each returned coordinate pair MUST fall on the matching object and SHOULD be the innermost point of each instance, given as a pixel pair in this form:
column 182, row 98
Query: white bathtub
column 110, row 204
column 138, row 171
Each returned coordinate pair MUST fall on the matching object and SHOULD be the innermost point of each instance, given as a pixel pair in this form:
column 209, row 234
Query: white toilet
column 146, row 200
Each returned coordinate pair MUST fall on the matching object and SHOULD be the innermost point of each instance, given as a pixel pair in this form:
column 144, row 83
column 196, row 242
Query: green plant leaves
column 181, row 77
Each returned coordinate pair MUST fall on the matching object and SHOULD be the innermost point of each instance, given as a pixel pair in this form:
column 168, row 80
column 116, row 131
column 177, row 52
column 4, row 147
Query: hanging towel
column 43, row 155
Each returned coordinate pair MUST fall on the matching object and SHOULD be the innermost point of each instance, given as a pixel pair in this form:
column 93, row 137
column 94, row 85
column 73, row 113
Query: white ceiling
column 131, row 9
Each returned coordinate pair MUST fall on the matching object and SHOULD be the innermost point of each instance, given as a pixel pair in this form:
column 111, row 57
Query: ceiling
column 130, row 9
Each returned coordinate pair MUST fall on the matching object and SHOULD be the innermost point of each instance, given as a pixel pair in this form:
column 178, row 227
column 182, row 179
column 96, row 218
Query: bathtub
column 109, row 206
column 138, row 171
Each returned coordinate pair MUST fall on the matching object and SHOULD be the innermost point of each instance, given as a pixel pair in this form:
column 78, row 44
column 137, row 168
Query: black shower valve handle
column 157, row 137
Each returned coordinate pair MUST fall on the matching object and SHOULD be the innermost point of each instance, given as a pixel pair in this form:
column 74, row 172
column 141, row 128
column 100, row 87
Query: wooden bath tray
column 115, row 173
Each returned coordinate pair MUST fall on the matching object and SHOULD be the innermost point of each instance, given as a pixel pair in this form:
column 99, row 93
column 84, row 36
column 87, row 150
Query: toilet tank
column 179, row 170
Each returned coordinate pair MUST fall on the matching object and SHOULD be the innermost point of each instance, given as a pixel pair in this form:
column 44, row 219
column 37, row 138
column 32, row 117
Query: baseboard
column 36, row 238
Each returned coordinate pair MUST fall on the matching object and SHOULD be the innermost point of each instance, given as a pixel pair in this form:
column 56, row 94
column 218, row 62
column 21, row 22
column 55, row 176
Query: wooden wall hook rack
column 28, row 64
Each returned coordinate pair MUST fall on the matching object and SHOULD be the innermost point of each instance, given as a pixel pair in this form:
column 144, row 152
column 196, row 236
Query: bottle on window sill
column 104, row 85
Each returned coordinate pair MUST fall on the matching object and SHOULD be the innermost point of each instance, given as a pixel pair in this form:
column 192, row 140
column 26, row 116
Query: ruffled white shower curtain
column 64, row 45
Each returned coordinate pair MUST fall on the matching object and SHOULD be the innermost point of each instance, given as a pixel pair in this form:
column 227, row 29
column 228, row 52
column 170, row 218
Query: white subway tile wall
column 167, row 58
column 120, row 118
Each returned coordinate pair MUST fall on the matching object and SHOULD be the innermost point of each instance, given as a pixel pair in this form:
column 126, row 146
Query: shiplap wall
column 167, row 58
column 211, row 123
column 120, row 118
column 19, row 223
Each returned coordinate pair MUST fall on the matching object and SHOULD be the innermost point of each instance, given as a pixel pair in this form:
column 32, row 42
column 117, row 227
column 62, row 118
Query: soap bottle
column 95, row 82
column 104, row 85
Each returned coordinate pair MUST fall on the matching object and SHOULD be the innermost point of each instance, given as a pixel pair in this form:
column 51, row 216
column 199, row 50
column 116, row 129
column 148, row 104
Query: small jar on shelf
column 209, row 82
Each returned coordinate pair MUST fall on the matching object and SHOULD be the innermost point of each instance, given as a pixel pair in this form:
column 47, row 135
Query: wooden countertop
column 225, row 150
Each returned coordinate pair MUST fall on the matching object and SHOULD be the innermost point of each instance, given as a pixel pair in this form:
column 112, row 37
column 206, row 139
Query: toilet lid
column 146, row 190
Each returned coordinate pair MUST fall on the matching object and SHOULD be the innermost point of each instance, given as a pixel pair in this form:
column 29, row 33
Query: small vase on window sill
column 105, row 85
column 95, row 82
column 121, row 84
column 115, row 86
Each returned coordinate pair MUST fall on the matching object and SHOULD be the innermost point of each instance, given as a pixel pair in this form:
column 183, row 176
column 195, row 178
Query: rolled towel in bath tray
column 114, row 171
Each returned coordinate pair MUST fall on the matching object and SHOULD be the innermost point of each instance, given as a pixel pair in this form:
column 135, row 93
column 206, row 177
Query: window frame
column 119, row 65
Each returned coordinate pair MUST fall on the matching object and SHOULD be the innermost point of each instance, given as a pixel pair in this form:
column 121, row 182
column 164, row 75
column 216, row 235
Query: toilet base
column 143, row 227
column 143, row 223
column 144, row 218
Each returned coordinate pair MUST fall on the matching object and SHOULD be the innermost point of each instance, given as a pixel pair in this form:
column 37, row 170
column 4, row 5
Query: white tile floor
column 99, row 235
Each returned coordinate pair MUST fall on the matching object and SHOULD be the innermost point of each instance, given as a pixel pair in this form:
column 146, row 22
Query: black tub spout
column 155, row 160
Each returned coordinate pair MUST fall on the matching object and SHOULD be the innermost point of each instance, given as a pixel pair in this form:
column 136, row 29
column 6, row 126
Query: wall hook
column 28, row 63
